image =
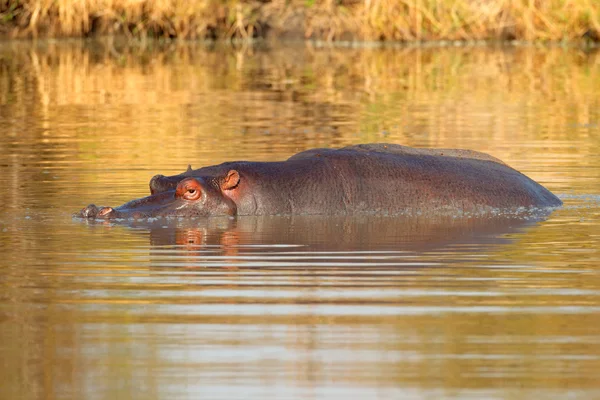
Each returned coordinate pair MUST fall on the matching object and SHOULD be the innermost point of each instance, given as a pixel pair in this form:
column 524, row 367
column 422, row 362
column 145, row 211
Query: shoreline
column 123, row 41
column 452, row 22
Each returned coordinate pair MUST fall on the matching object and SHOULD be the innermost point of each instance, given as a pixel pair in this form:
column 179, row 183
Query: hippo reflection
column 370, row 178
column 263, row 234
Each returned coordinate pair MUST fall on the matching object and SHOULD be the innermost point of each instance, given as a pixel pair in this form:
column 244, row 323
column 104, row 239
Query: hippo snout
column 93, row 211
column 88, row 212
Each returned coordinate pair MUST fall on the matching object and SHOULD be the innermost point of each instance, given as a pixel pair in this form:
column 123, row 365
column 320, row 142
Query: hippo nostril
column 89, row 211
column 105, row 211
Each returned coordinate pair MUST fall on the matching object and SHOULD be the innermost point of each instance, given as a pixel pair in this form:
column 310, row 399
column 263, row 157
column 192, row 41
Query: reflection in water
column 303, row 307
column 341, row 233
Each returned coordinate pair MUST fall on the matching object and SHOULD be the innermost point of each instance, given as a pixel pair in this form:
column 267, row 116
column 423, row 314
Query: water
column 292, row 307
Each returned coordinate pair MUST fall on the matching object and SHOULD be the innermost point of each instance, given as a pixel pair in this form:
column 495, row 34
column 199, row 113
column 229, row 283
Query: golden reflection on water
column 300, row 307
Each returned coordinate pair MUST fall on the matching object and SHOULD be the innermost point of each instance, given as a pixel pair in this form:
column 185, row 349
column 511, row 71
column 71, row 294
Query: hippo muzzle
column 161, row 204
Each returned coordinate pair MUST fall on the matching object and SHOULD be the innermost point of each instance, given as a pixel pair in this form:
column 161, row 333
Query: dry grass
column 398, row 20
column 554, row 20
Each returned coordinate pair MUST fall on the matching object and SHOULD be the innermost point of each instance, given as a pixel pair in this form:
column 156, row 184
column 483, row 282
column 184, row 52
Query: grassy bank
column 394, row 20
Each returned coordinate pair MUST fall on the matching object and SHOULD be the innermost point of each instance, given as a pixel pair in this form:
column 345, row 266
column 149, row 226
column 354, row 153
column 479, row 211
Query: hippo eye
column 191, row 193
column 189, row 189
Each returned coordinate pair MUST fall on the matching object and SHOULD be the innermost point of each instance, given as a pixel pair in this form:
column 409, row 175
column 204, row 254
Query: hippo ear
column 231, row 180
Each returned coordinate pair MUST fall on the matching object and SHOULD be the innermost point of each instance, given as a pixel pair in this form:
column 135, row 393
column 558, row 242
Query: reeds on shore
column 371, row 20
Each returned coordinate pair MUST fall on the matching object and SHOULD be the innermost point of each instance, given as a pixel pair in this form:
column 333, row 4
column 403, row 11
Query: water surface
column 292, row 307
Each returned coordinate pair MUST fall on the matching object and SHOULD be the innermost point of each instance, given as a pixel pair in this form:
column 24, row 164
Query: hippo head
column 192, row 197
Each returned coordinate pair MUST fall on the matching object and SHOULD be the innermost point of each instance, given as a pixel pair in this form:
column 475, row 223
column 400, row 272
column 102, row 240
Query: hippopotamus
column 369, row 178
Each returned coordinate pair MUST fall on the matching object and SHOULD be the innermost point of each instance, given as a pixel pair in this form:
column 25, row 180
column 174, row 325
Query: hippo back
column 399, row 179
column 397, row 149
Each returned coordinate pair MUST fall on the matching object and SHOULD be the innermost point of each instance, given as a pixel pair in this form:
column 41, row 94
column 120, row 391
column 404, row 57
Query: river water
column 292, row 307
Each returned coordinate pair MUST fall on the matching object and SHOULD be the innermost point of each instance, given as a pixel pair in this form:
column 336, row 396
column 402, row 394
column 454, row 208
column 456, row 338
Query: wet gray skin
column 376, row 178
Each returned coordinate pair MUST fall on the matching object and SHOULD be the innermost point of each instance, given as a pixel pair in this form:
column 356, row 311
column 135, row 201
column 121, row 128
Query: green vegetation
column 371, row 20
